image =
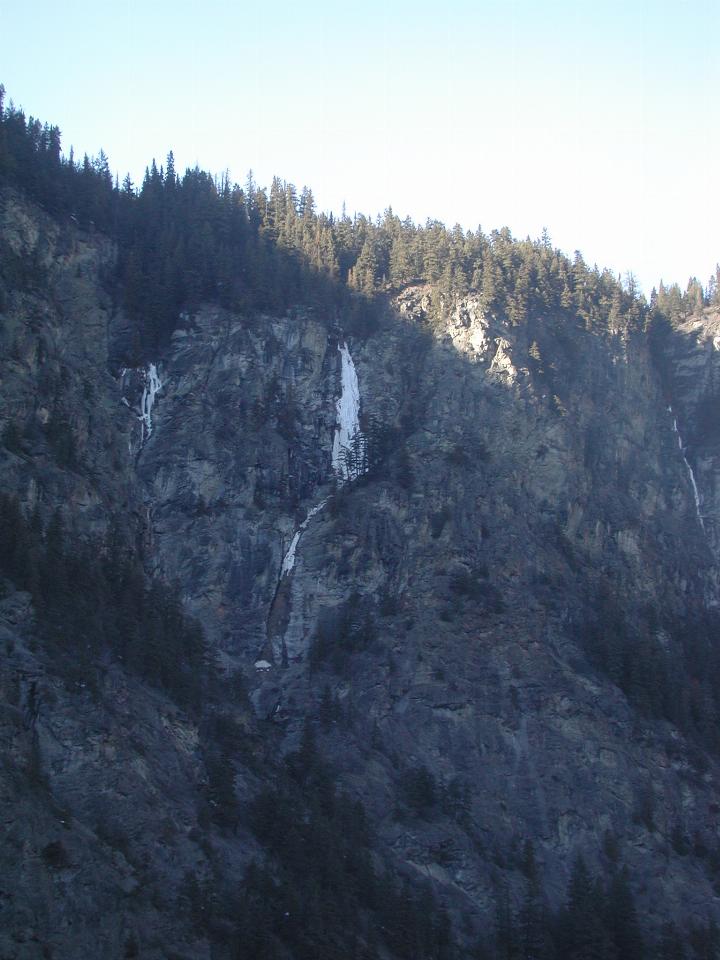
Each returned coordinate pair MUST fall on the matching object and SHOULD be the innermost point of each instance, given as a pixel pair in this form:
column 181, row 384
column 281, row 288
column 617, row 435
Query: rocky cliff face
column 517, row 493
column 691, row 364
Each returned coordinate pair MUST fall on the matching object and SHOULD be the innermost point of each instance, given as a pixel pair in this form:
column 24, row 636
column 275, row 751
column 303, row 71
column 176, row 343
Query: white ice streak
column 348, row 418
column 152, row 386
column 347, row 430
column 696, row 492
column 289, row 558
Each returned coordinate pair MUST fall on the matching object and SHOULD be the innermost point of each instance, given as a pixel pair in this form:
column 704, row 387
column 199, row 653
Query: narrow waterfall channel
column 347, row 465
column 153, row 385
column 289, row 558
column 347, row 433
column 696, row 492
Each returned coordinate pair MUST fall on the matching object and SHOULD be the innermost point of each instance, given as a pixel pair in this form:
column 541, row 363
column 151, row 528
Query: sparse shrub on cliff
column 55, row 855
column 418, row 790
column 90, row 601
column 343, row 631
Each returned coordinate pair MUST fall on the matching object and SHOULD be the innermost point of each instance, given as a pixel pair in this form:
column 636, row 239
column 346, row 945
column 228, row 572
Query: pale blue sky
column 596, row 120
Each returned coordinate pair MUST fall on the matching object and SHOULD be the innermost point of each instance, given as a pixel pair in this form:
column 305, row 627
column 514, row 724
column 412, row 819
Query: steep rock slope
column 520, row 517
column 101, row 782
column 690, row 359
column 446, row 597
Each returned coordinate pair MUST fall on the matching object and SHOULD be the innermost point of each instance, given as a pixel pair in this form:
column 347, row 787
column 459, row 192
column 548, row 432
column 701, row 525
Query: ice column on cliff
column 289, row 558
column 346, row 452
column 696, row 492
column 152, row 386
column 348, row 462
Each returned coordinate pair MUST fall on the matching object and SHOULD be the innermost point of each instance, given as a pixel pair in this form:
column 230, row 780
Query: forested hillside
column 187, row 238
column 447, row 688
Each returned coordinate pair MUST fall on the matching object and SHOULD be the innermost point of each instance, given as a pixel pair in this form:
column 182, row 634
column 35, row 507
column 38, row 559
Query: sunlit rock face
column 425, row 521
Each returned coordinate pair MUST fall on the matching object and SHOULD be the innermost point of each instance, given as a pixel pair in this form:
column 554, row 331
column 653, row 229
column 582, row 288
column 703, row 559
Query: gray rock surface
column 440, row 596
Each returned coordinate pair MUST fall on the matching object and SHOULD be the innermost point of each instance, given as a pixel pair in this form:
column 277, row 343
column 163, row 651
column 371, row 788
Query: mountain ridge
column 497, row 637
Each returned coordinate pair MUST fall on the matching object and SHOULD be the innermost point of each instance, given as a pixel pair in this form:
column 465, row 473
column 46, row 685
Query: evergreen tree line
column 598, row 921
column 674, row 304
column 31, row 160
column 184, row 239
column 93, row 604
column 677, row 679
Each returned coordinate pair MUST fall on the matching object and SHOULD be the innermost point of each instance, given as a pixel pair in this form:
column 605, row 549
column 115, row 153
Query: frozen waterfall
column 347, row 453
column 152, row 386
column 149, row 378
column 696, row 492
column 289, row 558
